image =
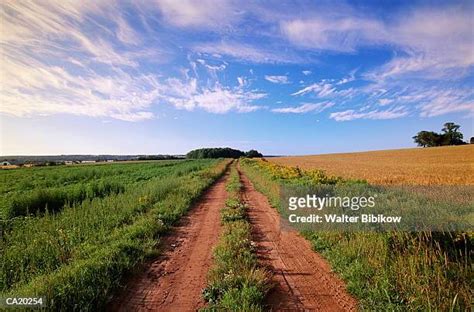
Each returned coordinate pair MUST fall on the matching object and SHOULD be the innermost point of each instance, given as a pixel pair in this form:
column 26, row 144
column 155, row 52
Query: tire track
column 174, row 281
column 303, row 279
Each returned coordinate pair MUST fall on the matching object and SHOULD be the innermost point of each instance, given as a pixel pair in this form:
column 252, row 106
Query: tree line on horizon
column 221, row 152
column 450, row 135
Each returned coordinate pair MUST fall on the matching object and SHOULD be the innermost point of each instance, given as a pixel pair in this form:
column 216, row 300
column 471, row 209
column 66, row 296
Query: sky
column 282, row 77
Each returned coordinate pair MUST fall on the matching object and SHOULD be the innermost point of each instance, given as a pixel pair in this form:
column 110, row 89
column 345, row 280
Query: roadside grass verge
column 76, row 258
column 394, row 270
column 235, row 282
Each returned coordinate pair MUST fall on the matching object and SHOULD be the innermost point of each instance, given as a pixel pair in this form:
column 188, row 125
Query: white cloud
column 430, row 99
column 87, row 58
column 55, row 64
column 35, row 88
column 125, row 33
column 402, row 65
column 200, row 13
column 277, row 79
column 441, row 107
column 244, row 82
column 447, row 104
column 374, row 114
column 336, row 33
column 52, row 29
column 349, row 78
column 435, row 41
column 133, row 117
column 384, row 102
column 216, row 99
column 212, row 69
column 438, row 43
column 246, row 52
column 304, row 108
column 322, row 89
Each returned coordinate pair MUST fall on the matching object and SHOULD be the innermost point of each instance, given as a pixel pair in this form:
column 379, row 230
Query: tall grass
column 236, row 282
column 53, row 199
column 393, row 270
column 77, row 257
column 35, row 190
column 26, row 179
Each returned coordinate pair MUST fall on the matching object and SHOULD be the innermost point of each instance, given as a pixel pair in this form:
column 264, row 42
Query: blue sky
column 299, row 77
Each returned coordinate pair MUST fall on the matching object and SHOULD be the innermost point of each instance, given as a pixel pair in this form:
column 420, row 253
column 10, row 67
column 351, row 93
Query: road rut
column 303, row 279
column 174, row 281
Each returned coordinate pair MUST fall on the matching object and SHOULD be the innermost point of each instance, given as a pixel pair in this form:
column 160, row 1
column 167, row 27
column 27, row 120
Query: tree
column 215, row 153
column 427, row 139
column 472, row 140
column 451, row 135
column 219, row 152
column 253, row 154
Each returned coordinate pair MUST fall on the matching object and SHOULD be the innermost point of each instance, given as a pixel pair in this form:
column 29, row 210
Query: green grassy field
column 71, row 233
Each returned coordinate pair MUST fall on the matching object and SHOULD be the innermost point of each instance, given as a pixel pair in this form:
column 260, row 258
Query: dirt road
column 174, row 281
column 304, row 281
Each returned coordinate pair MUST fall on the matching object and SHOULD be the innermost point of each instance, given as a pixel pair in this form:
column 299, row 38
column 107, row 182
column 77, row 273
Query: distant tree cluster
column 221, row 152
column 158, row 157
column 450, row 136
column 253, row 154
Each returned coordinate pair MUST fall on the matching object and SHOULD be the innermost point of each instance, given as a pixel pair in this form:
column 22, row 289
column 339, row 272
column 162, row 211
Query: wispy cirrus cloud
column 322, row 89
column 440, row 101
column 94, row 58
column 304, row 108
column 384, row 101
column 282, row 79
column 334, row 33
column 55, row 64
column 216, row 99
column 433, row 40
column 247, row 53
column 328, row 87
column 373, row 114
column 35, row 88
column 426, row 99
column 207, row 14
column 438, row 43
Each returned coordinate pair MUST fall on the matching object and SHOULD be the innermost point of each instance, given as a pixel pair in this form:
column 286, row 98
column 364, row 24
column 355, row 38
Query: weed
column 236, row 282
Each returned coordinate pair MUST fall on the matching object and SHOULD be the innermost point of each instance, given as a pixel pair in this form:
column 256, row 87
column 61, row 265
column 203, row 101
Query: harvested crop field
column 448, row 165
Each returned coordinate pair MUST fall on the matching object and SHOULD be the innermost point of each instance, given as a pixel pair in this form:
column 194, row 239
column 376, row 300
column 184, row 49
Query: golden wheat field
column 447, row 165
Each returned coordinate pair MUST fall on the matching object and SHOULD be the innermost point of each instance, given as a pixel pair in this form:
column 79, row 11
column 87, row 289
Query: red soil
column 303, row 279
column 174, row 281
